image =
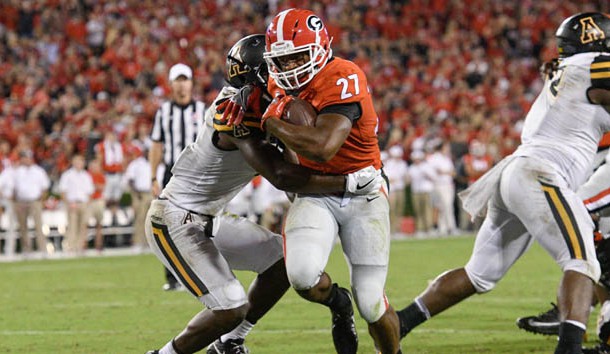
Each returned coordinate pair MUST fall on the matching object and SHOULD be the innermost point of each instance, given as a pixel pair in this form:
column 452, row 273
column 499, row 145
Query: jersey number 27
column 346, row 91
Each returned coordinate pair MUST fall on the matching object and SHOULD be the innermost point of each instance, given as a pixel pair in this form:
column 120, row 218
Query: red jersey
column 112, row 159
column 99, row 181
column 341, row 82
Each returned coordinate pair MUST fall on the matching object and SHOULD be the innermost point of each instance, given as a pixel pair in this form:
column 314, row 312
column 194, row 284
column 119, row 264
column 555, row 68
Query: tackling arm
column 319, row 143
column 269, row 162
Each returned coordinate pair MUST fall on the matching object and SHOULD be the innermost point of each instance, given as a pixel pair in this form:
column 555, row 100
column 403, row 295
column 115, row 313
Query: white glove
column 363, row 181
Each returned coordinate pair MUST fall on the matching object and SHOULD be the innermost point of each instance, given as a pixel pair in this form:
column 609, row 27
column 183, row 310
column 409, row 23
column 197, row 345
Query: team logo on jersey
column 590, row 31
column 240, row 131
column 314, row 23
column 236, row 69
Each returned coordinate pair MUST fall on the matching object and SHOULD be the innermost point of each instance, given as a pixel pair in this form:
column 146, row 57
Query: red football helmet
column 298, row 47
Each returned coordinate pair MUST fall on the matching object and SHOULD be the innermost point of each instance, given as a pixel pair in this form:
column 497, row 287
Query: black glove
column 548, row 68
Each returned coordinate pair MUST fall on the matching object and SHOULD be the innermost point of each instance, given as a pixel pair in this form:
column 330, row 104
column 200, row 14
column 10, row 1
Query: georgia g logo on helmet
column 296, row 37
column 590, row 31
column 314, row 23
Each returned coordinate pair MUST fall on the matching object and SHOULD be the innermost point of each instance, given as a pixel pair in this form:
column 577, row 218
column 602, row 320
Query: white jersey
column 563, row 127
column 205, row 178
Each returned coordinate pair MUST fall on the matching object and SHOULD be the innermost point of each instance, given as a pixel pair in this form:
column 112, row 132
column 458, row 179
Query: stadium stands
column 451, row 69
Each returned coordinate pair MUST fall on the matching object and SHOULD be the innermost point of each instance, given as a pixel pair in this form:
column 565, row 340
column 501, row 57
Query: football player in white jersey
column 595, row 194
column 189, row 234
column 530, row 195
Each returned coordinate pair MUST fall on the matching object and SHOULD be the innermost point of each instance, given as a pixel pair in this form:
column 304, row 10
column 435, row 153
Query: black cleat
column 232, row 346
column 546, row 323
column 344, row 332
column 601, row 348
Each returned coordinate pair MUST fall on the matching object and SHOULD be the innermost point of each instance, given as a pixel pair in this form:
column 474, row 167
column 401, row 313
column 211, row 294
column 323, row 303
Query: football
column 300, row 112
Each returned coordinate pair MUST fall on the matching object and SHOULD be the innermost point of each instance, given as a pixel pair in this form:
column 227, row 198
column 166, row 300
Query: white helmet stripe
column 280, row 25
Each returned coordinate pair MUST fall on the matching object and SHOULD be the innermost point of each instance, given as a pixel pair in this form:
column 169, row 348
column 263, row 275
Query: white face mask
column 299, row 76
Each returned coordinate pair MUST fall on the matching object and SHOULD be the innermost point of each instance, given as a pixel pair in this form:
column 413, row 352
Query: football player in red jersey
column 188, row 232
column 343, row 139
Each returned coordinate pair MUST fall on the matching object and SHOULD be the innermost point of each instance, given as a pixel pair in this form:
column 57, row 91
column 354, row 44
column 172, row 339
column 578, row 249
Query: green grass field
column 116, row 305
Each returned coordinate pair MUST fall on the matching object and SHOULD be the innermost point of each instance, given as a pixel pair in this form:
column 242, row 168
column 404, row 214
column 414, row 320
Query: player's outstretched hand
column 276, row 108
column 364, row 181
column 234, row 109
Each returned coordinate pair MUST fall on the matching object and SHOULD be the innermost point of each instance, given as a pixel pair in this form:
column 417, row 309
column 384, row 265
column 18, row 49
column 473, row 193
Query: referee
column 176, row 124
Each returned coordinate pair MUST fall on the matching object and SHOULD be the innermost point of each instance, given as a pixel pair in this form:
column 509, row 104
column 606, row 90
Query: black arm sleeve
column 352, row 110
column 600, row 72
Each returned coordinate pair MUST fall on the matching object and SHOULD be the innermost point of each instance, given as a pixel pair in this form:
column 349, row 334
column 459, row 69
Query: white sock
column 168, row 348
column 239, row 332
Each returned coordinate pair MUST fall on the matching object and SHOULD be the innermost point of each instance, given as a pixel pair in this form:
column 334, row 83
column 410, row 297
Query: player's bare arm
column 600, row 96
column 271, row 164
column 290, row 155
column 318, row 143
column 266, row 158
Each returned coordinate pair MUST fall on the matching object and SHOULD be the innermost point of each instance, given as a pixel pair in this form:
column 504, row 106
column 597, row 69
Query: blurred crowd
column 456, row 74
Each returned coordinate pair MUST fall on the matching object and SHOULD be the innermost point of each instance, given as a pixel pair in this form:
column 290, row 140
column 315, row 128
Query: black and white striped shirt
column 176, row 126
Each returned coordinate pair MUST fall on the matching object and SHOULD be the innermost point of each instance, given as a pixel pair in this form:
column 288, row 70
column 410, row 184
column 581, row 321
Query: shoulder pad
column 600, row 72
